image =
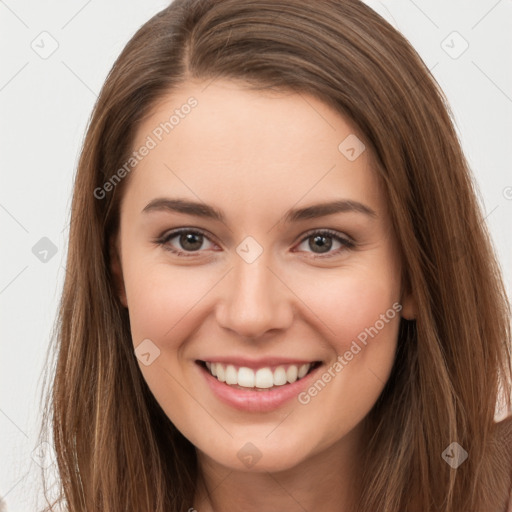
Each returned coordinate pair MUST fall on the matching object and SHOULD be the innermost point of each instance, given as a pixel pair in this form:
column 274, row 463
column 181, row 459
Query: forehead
column 230, row 143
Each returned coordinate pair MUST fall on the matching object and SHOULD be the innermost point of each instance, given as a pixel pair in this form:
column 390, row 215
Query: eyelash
column 164, row 239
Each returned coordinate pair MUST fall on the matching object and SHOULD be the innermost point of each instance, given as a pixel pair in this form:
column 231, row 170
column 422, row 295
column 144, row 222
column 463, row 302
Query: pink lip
column 256, row 401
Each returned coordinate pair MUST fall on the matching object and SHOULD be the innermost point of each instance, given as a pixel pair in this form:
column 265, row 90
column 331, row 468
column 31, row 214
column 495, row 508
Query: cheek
column 358, row 314
column 166, row 303
column 362, row 314
column 347, row 305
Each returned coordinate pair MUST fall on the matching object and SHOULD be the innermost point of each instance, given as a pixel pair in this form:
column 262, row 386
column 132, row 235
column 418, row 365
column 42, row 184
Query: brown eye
column 321, row 242
column 183, row 241
column 190, row 241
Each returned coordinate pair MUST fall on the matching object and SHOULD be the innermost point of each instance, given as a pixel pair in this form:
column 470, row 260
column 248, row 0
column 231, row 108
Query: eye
column 323, row 241
column 188, row 240
column 191, row 241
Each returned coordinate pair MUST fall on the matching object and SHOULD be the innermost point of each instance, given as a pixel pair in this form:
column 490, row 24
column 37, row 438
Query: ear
column 409, row 310
column 116, row 269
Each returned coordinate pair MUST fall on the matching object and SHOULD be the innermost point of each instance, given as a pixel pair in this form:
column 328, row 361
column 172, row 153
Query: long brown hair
column 116, row 449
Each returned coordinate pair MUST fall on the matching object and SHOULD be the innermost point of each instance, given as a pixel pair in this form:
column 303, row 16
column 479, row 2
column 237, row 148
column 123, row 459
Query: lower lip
column 257, row 401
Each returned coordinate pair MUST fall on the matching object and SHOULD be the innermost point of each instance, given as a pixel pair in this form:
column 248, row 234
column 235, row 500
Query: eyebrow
column 293, row 215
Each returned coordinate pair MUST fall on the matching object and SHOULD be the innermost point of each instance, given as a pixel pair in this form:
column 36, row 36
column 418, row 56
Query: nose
column 254, row 299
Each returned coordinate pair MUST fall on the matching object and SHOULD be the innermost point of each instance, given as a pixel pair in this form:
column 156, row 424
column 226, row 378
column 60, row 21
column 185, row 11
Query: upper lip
column 258, row 363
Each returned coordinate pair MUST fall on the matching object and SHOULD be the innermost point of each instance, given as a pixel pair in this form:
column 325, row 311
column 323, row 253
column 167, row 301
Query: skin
column 254, row 155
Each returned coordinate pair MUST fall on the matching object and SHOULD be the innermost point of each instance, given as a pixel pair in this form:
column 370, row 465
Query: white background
column 45, row 105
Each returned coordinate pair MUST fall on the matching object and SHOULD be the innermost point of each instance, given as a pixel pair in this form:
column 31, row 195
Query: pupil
column 320, row 240
column 191, row 238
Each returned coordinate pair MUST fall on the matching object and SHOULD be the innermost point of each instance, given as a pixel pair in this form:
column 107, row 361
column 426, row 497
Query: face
column 231, row 263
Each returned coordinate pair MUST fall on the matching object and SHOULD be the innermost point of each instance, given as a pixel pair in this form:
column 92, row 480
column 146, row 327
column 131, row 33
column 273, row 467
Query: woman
column 336, row 336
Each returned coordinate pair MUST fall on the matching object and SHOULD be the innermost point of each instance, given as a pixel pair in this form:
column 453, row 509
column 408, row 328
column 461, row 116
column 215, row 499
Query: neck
column 325, row 482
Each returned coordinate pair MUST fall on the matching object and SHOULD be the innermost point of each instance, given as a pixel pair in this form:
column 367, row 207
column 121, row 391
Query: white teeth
column 262, row 378
column 291, row 374
column 245, row 377
column 231, row 374
column 280, row 376
column 221, row 374
column 303, row 370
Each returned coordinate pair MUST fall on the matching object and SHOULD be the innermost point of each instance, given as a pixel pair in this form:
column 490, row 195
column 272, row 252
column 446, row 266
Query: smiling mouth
column 261, row 379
